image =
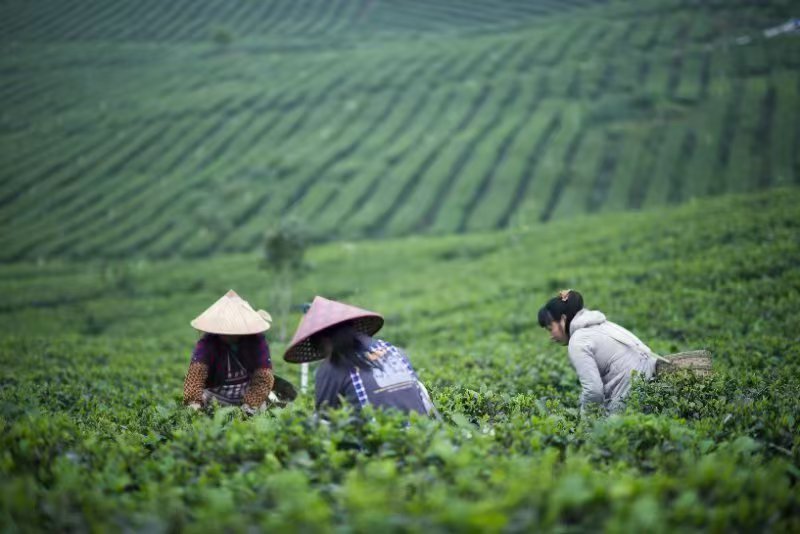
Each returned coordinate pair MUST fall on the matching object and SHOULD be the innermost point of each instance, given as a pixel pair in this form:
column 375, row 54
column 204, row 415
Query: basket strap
column 636, row 346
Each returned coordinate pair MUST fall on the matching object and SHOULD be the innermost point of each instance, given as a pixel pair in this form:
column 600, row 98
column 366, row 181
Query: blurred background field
column 135, row 129
column 453, row 164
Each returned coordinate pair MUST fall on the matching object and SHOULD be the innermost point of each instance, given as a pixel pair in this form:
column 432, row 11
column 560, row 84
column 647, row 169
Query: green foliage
column 221, row 36
column 285, row 245
column 93, row 436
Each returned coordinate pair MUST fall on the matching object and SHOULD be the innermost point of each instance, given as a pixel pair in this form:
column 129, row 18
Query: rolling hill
column 141, row 129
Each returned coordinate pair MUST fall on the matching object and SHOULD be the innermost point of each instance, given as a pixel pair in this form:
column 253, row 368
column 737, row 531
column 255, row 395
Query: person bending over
column 356, row 367
column 230, row 363
column 603, row 353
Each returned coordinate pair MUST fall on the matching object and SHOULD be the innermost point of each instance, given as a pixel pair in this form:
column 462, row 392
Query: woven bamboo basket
column 696, row 361
column 283, row 392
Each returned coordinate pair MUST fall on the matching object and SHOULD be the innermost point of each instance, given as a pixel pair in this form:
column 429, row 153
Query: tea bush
column 93, row 435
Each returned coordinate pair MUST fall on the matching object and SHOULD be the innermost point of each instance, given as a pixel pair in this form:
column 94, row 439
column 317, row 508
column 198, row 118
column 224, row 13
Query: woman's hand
column 248, row 410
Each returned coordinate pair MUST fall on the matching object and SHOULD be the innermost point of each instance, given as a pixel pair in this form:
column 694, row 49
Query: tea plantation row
column 124, row 133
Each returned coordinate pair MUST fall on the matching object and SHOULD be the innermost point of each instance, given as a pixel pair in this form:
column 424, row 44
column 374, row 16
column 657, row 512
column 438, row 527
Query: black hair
column 350, row 348
column 568, row 303
column 545, row 318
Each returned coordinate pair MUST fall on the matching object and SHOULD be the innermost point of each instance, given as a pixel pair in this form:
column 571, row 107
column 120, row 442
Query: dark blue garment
column 392, row 384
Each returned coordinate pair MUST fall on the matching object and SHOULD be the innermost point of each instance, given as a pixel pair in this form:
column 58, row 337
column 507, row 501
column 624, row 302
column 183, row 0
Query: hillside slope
column 141, row 129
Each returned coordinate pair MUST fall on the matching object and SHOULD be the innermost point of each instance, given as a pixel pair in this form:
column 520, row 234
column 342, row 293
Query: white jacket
column 604, row 354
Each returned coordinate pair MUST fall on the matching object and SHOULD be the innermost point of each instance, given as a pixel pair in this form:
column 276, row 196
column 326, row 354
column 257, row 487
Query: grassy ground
column 94, row 353
column 139, row 129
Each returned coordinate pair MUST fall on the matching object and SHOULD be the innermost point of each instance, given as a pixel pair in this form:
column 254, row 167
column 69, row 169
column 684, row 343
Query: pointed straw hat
column 323, row 314
column 232, row 315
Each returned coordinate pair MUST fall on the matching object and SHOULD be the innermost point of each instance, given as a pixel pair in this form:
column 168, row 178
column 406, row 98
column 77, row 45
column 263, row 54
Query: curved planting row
column 423, row 113
column 194, row 150
column 448, row 220
column 392, row 203
column 450, row 196
column 162, row 227
column 184, row 20
column 339, row 126
column 184, row 148
column 182, row 173
column 311, row 188
column 368, row 134
column 88, row 203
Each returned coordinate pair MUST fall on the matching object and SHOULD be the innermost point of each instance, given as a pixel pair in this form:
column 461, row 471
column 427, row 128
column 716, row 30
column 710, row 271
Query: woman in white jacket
column 603, row 353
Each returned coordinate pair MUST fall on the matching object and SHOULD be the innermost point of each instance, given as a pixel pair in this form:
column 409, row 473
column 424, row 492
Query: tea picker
column 231, row 364
column 355, row 366
column 604, row 354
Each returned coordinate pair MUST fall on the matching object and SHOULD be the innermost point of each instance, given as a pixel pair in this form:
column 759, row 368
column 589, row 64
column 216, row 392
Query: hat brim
column 233, row 331
column 231, row 315
column 304, row 351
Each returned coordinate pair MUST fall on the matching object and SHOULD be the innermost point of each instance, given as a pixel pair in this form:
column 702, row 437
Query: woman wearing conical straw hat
column 355, row 366
column 604, row 354
column 231, row 362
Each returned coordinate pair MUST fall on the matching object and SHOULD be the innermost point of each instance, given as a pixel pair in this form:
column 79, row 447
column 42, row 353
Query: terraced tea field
column 144, row 129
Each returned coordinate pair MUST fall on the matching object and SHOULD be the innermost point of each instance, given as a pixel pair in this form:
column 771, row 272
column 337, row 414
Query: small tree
column 284, row 248
column 285, row 245
column 222, row 36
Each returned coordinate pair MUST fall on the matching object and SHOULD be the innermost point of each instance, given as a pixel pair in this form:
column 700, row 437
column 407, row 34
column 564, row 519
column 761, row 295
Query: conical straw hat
column 323, row 314
column 232, row 315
